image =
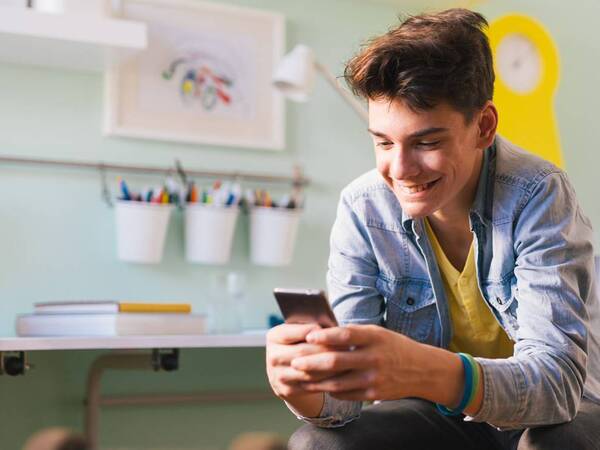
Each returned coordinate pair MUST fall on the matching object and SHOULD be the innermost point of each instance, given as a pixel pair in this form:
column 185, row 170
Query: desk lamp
column 295, row 77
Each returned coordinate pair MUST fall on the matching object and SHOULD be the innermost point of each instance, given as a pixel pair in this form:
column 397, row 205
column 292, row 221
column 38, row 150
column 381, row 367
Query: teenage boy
column 461, row 270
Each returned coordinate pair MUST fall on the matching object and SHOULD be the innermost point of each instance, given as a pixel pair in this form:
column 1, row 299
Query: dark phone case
column 305, row 306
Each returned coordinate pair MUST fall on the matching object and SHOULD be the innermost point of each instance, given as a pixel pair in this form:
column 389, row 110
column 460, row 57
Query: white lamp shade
column 295, row 75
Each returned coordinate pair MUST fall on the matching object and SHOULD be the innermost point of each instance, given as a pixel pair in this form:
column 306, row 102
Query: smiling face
column 430, row 159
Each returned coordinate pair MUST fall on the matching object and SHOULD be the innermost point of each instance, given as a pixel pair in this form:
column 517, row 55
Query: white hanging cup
column 141, row 230
column 49, row 6
column 273, row 235
column 209, row 232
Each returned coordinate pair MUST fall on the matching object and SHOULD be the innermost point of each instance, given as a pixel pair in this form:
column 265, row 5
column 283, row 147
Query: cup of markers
column 142, row 220
column 210, row 218
column 273, row 227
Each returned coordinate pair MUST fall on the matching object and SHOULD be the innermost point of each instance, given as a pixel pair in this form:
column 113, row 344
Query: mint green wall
column 57, row 238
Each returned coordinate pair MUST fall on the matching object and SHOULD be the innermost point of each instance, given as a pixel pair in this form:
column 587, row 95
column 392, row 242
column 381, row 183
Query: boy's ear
column 487, row 125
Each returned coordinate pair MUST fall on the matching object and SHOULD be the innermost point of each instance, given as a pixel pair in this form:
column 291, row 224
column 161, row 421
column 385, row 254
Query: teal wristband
column 468, row 392
column 476, row 379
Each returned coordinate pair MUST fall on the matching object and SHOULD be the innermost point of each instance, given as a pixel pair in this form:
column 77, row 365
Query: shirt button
column 410, row 301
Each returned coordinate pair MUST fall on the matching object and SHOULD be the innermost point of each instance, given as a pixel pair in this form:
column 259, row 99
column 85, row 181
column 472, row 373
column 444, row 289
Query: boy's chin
column 415, row 210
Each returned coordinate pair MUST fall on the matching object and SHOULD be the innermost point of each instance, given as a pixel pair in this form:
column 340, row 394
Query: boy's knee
column 310, row 437
column 556, row 437
column 305, row 437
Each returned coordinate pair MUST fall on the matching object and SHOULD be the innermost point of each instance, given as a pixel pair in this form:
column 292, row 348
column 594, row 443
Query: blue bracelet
column 467, row 394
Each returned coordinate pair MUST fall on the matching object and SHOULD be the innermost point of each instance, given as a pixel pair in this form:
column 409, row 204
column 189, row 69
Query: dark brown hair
column 428, row 59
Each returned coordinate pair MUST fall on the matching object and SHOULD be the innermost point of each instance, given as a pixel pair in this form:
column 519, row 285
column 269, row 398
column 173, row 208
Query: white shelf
column 132, row 342
column 72, row 41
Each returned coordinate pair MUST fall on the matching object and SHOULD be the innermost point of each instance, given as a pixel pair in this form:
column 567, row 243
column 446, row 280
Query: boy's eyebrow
column 416, row 134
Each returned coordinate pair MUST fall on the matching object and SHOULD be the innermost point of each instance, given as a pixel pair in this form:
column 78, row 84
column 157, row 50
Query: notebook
column 116, row 324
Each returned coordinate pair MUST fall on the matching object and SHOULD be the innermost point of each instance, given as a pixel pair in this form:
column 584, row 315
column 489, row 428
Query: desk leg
column 120, row 361
column 153, row 361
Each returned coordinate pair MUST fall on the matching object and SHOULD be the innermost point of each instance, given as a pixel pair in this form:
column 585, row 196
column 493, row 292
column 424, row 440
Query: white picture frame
column 198, row 81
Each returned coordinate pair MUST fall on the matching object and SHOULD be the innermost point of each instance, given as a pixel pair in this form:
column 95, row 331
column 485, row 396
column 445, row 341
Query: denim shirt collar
column 484, row 196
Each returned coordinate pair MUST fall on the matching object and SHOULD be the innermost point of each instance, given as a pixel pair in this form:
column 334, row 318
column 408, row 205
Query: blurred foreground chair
column 258, row 441
column 55, row 439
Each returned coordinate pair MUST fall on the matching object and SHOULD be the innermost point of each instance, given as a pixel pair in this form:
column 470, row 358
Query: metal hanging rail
column 296, row 179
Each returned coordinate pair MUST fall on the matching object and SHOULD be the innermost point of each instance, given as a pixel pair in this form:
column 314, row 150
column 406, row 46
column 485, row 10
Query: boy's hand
column 382, row 365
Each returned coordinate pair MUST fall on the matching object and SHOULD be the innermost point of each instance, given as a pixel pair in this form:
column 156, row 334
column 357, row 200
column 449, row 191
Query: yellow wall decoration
column 527, row 72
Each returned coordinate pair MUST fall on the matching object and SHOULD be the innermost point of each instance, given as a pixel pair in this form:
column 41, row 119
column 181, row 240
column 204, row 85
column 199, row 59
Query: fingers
column 287, row 382
column 288, row 390
column 282, row 355
column 345, row 384
column 333, row 361
column 290, row 333
column 349, row 336
column 290, row 375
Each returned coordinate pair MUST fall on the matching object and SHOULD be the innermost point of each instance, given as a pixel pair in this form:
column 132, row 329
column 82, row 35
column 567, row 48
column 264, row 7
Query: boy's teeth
column 416, row 188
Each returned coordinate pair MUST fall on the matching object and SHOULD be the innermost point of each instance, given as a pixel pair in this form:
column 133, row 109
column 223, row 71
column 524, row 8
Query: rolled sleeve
column 335, row 413
column 503, row 393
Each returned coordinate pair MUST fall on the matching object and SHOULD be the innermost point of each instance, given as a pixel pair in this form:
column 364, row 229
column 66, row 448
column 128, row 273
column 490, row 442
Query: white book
column 81, row 307
column 119, row 324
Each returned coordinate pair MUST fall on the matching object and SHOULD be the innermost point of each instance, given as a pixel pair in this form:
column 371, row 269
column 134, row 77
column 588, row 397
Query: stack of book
column 109, row 318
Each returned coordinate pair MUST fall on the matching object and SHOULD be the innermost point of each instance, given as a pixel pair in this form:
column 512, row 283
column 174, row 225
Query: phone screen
column 305, row 306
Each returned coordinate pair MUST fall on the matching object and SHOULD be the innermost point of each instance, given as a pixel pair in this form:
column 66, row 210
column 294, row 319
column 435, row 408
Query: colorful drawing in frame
column 201, row 84
column 204, row 78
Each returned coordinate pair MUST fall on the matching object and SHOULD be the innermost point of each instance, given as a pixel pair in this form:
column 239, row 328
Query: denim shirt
column 535, row 270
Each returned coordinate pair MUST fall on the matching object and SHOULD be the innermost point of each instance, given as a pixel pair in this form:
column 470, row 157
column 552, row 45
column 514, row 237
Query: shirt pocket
column 501, row 298
column 410, row 307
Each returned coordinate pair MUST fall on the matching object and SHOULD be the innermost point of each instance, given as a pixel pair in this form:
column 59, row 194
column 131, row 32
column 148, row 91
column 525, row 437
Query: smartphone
column 305, row 306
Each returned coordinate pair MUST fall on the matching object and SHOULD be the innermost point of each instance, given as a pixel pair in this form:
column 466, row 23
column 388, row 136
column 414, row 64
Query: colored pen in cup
column 267, row 201
column 124, row 189
column 193, row 193
column 165, row 197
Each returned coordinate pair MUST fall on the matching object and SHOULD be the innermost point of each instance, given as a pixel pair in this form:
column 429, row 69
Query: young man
column 461, row 271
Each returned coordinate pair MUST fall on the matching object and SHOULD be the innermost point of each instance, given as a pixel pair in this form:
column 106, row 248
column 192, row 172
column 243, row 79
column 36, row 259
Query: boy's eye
column 383, row 144
column 427, row 144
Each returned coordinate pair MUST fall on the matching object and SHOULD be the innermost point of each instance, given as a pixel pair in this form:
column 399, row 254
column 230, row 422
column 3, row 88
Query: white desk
column 16, row 344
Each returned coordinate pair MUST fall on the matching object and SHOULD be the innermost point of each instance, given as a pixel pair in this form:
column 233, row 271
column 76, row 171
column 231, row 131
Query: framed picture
column 205, row 76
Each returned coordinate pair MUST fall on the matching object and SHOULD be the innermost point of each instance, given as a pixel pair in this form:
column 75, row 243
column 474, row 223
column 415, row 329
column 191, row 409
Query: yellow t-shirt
column 475, row 329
